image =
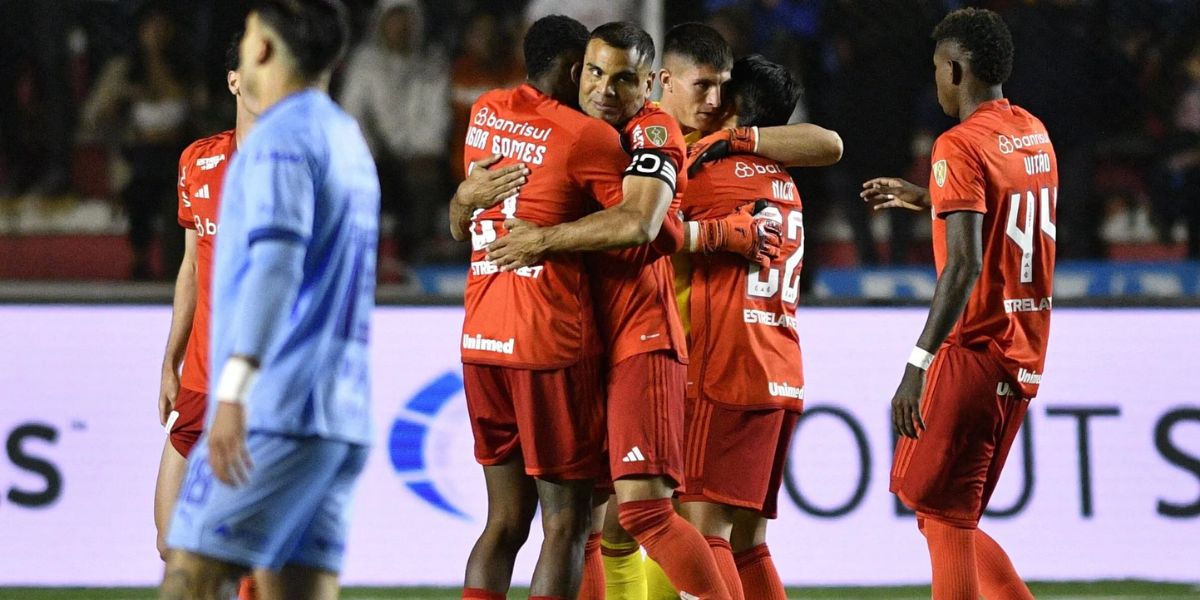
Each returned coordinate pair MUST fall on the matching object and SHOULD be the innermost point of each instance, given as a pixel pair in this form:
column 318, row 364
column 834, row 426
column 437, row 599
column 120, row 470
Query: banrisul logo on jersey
column 430, row 448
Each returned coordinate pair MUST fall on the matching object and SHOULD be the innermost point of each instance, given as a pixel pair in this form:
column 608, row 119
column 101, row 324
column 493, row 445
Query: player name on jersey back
column 540, row 316
column 745, row 350
column 1000, row 162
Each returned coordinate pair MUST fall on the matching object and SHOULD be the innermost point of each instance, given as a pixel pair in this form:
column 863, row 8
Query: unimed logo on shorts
column 408, row 440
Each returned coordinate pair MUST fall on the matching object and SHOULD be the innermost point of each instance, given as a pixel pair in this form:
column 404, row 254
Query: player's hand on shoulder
column 168, row 391
column 523, row 246
column 228, row 456
column 893, row 192
column 485, row 187
column 906, row 403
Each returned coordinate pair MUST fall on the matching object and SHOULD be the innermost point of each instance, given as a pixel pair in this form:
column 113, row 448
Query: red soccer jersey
column 745, row 350
column 635, row 289
column 201, row 175
column 1000, row 162
column 537, row 317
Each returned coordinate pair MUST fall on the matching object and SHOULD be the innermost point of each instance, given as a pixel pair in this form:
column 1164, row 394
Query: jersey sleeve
column 184, row 211
column 280, row 187
column 596, row 162
column 956, row 181
column 656, row 147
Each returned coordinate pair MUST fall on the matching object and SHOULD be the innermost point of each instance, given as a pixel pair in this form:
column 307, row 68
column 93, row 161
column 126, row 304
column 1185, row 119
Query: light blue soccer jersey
column 304, row 176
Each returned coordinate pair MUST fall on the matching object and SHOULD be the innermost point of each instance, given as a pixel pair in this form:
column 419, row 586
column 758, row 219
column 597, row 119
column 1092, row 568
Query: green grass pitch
column 1108, row 590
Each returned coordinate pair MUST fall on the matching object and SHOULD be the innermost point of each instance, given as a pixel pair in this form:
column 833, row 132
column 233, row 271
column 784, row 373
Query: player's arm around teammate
column 614, row 82
column 483, row 188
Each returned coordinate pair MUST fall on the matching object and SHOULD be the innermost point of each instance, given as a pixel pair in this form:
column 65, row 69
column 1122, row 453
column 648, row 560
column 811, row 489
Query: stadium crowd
column 97, row 99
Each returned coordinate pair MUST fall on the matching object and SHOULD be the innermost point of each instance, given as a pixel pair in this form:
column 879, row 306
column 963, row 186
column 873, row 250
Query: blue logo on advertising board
column 407, row 442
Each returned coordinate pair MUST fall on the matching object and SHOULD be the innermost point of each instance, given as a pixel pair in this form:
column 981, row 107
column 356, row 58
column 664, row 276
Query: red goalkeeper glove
column 739, row 140
column 758, row 239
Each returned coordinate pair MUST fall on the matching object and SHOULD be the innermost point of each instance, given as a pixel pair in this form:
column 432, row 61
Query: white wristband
column 693, row 230
column 920, row 359
column 237, row 377
column 755, row 128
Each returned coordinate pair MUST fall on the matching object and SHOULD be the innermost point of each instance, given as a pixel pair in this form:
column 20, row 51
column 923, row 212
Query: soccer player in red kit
column 533, row 358
column 746, row 383
column 635, row 305
column 182, row 398
column 978, row 362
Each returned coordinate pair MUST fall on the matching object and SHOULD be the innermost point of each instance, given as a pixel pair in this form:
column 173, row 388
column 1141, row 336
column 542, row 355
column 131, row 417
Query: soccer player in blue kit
column 293, row 287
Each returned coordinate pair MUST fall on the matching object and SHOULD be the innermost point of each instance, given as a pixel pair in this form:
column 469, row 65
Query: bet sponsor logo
column 209, row 163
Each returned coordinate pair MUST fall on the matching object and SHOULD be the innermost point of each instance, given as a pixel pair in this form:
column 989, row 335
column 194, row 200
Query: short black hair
column 985, row 37
column 548, row 38
column 764, row 92
column 314, row 31
column 233, row 55
column 699, row 43
column 624, row 35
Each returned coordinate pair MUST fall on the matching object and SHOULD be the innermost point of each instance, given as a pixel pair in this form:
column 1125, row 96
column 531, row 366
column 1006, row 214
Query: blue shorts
column 292, row 511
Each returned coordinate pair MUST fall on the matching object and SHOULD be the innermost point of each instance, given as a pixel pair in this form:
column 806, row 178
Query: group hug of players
column 631, row 360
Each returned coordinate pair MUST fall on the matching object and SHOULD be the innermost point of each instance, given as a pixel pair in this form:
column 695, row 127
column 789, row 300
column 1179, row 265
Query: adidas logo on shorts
column 634, row 455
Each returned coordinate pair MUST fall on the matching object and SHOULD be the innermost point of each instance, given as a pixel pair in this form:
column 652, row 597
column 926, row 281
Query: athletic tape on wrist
column 237, row 377
column 920, row 359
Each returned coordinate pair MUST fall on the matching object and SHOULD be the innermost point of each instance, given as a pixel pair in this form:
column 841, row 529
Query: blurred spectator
column 1055, row 76
column 879, row 57
column 1177, row 189
column 589, row 12
column 398, row 88
column 36, row 112
column 486, row 62
column 144, row 100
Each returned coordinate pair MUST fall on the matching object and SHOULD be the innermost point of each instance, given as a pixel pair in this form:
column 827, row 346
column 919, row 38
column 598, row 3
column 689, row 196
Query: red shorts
column 645, row 416
column 971, row 416
column 736, row 457
column 191, row 406
column 554, row 417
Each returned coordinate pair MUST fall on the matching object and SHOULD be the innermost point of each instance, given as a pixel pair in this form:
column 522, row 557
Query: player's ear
column 664, row 79
column 956, row 72
column 233, row 82
column 576, row 72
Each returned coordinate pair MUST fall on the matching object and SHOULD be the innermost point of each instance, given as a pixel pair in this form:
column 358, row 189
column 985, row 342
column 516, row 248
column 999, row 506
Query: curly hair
column 985, row 37
column 548, row 38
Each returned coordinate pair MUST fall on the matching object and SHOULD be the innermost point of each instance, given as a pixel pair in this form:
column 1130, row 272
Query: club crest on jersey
column 939, row 172
column 657, row 134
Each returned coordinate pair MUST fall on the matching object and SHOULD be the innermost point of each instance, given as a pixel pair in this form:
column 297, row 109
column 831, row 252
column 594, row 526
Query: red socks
column 997, row 577
column 478, row 594
column 760, row 579
column 676, row 545
column 592, row 587
column 723, row 555
column 952, row 555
